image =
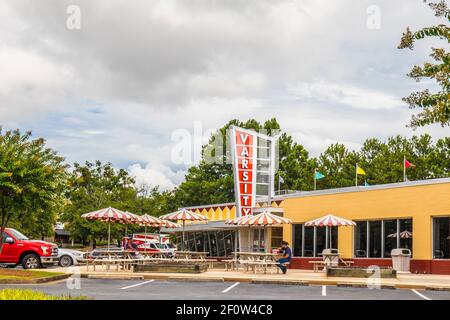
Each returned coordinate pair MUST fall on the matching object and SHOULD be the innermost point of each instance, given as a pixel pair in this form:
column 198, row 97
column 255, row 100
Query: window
column 311, row 241
column 390, row 237
column 308, row 242
column 320, row 240
column 258, row 240
column 405, row 233
column 441, row 238
column 277, row 237
column 377, row 238
column 361, row 239
column 297, row 239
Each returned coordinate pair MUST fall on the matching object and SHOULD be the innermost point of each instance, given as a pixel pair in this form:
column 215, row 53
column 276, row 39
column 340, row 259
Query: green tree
column 95, row 186
column 337, row 163
column 435, row 106
column 33, row 179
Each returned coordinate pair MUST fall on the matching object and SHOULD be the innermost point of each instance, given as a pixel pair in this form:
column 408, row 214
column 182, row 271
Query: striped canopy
column 404, row 235
column 169, row 224
column 263, row 219
column 184, row 215
column 151, row 221
column 108, row 215
column 134, row 218
column 239, row 219
column 330, row 221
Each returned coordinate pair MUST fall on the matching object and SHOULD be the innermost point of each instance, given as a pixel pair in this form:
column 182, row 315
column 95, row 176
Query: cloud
column 138, row 70
column 344, row 94
column 162, row 177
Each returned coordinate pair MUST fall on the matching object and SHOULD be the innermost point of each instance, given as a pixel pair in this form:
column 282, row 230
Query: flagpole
column 356, row 175
column 315, row 179
column 279, row 184
column 404, row 168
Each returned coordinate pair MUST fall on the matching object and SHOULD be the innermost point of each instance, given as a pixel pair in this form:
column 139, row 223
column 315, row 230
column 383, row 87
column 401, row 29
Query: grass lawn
column 27, row 294
column 26, row 274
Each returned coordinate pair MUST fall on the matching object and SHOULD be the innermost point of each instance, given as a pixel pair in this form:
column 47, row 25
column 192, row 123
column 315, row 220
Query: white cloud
column 160, row 176
column 344, row 94
column 116, row 89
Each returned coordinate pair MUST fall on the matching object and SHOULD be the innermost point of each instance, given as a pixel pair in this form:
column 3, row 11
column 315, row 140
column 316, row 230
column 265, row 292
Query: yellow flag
column 360, row 170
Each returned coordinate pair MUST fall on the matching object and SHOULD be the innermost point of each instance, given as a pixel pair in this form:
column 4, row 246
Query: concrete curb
column 35, row 281
column 120, row 277
column 288, row 282
column 436, row 288
column 187, row 279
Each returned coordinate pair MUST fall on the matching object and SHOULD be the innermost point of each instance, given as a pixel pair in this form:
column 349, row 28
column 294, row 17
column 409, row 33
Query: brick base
column 417, row 266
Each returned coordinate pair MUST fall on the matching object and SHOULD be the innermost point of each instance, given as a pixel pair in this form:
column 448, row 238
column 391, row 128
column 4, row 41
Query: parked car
column 70, row 257
column 32, row 254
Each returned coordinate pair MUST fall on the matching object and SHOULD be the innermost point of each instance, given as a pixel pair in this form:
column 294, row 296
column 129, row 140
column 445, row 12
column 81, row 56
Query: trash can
column 401, row 259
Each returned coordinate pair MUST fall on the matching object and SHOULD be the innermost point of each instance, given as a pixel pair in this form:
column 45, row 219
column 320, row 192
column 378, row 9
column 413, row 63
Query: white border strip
column 420, row 295
column 230, row 287
column 138, row 284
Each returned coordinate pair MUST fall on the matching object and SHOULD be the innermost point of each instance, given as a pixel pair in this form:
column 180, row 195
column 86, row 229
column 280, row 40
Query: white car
column 70, row 257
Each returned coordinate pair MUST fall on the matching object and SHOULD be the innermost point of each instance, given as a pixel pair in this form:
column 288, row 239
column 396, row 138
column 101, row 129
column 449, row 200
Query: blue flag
column 366, row 184
column 318, row 175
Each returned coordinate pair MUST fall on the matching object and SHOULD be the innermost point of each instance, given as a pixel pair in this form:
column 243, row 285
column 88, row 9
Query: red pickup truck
column 31, row 254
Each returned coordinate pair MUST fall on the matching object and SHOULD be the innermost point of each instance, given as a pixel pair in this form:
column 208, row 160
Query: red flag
column 409, row 164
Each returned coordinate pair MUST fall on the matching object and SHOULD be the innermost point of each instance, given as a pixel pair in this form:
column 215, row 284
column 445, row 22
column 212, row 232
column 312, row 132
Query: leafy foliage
column 93, row 186
column 435, row 106
column 32, row 182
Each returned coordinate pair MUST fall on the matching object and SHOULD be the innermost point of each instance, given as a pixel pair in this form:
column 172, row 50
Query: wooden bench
column 230, row 264
column 317, row 264
column 347, row 263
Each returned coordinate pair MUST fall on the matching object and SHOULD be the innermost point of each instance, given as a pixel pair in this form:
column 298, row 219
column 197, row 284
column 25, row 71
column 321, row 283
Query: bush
column 26, row 294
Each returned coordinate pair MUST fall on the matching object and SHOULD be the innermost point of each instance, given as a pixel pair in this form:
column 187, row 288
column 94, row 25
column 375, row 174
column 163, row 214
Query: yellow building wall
column 420, row 203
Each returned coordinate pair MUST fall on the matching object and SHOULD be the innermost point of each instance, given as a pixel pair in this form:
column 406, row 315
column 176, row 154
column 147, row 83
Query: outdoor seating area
column 126, row 260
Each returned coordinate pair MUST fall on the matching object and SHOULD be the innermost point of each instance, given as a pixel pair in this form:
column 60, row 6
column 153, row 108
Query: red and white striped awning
column 134, row 218
column 330, row 221
column 151, row 221
column 169, row 224
column 108, row 215
column 239, row 219
column 263, row 219
column 185, row 215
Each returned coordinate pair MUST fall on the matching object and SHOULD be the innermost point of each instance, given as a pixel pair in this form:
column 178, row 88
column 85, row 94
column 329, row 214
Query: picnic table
column 191, row 255
column 116, row 257
column 255, row 260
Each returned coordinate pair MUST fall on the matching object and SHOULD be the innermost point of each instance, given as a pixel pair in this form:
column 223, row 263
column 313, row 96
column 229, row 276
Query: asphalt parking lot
column 106, row 289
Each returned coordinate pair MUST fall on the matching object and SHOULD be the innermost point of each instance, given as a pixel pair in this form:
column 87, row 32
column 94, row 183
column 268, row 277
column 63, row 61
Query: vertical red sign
column 244, row 147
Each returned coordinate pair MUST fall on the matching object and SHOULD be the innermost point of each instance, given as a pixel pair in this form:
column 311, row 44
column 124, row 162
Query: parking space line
column 230, row 287
column 324, row 291
column 420, row 295
column 137, row 284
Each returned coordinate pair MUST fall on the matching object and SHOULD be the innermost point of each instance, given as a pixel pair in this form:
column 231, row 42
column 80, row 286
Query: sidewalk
column 293, row 277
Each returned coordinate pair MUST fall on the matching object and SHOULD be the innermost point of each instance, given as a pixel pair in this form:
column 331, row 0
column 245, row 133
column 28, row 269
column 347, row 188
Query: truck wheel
column 31, row 261
column 65, row 261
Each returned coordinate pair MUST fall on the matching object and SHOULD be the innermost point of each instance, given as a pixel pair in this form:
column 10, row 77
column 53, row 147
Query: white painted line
column 135, row 285
column 420, row 295
column 230, row 287
column 324, row 291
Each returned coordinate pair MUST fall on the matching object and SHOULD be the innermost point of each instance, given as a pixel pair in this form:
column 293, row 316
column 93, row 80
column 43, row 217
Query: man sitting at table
column 287, row 255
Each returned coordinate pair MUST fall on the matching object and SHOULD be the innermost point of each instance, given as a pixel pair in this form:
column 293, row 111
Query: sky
column 122, row 81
